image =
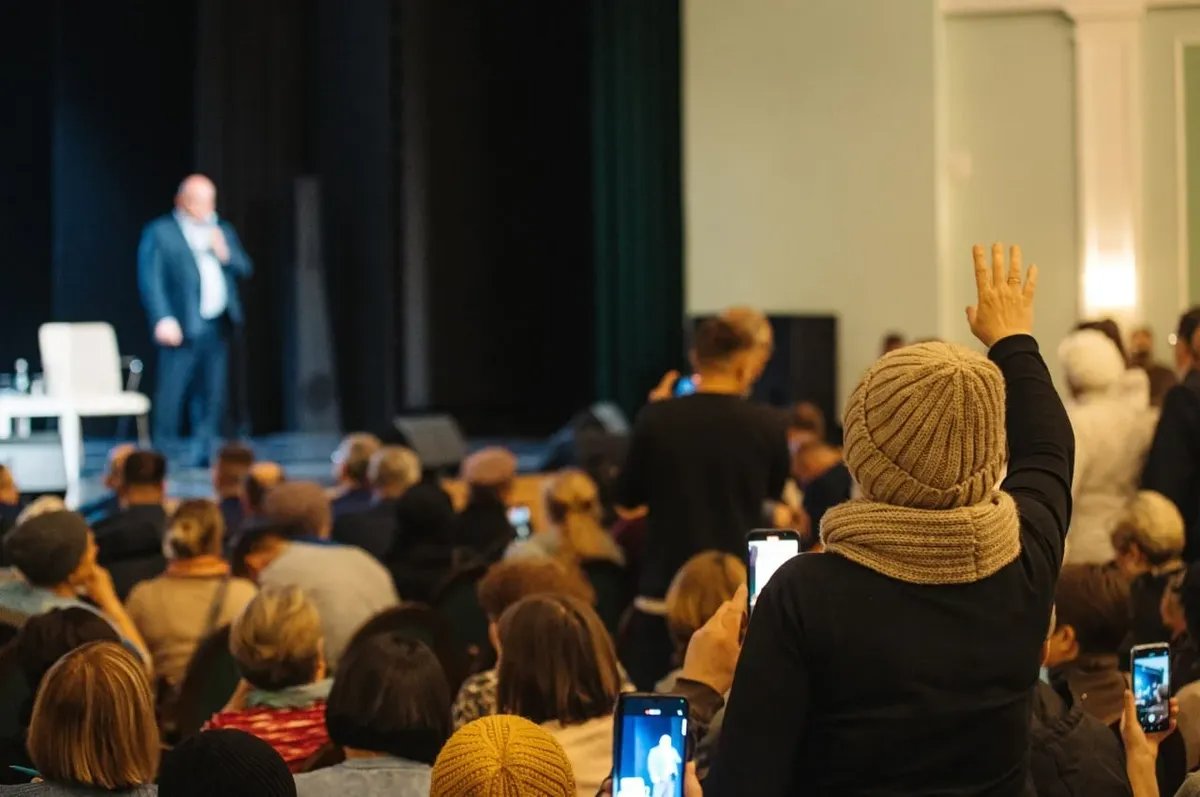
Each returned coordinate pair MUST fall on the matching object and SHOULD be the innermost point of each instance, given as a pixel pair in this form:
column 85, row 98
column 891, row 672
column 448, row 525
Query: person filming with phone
column 903, row 660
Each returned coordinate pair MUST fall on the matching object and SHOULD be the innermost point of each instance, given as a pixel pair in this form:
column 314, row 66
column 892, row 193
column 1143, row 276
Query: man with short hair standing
column 189, row 264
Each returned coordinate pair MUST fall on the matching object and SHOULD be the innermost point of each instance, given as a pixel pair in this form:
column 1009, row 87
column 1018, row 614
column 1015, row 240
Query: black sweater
column 853, row 683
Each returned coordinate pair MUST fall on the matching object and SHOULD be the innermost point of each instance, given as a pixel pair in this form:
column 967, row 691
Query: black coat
column 1072, row 753
column 1173, row 464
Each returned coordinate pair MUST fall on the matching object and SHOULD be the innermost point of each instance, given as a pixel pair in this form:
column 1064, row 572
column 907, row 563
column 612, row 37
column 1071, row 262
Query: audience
column 197, row 595
column 42, row 641
column 130, row 542
column 55, row 553
column 279, row 651
column 262, row 478
column 230, row 469
column 93, row 727
column 389, row 710
column 575, row 534
column 351, row 462
column 109, row 504
column 482, row 526
column 702, row 585
column 1148, row 541
column 958, row 634
column 818, row 469
column 346, row 584
column 558, row 668
column 704, row 464
column 504, row 585
column 392, row 471
column 502, row 756
column 10, row 502
column 1141, row 355
column 1111, row 439
column 1173, row 464
column 229, row 763
column 1134, row 384
column 1183, row 601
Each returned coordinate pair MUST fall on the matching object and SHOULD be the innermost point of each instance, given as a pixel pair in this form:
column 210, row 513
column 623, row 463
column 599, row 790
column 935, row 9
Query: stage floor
column 304, row 456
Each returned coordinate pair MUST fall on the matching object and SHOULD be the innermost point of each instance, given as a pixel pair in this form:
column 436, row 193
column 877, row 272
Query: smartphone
column 649, row 745
column 684, row 386
column 766, row 551
column 521, row 519
column 1151, row 667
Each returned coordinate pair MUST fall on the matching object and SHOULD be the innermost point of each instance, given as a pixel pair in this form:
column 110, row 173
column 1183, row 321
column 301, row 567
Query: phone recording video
column 766, row 551
column 1151, row 665
column 649, row 746
column 684, row 386
column 521, row 519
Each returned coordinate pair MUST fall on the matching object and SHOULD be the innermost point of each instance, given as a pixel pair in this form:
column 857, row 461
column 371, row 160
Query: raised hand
column 1005, row 304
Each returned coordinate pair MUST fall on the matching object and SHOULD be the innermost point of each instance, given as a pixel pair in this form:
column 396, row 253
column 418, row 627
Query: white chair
column 82, row 369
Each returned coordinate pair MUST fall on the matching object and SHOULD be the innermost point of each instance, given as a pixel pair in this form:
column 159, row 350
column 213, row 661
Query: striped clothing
column 295, row 733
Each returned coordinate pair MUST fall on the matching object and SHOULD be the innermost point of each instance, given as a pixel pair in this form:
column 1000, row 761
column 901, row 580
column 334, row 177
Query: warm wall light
column 1109, row 283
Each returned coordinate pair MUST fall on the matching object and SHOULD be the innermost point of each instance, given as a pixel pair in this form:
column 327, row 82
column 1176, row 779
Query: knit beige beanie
column 925, row 428
column 502, row 756
column 925, row 440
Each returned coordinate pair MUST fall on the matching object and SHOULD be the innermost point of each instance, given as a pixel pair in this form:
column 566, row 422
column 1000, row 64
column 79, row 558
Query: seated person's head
column 259, row 545
column 303, row 504
column 114, row 476
column 8, row 487
column 704, row 582
column 144, row 477
column 1149, row 535
column 573, row 507
column 502, row 755
column 262, row 478
column 196, row 529
column 1092, row 613
column 226, row 762
column 508, row 582
column 892, row 341
column 46, row 638
column 489, row 474
column 352, row 459
column 390, row 696
column 231, row 468
column 54, row 550
column 1180, row 607
column 393, row 470
column 42, row 505
column 93, row 720
column 557, row 661
column 277, row 641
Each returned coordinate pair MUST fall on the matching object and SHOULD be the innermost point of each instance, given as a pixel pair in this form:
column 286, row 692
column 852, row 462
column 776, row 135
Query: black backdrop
column 454, row 144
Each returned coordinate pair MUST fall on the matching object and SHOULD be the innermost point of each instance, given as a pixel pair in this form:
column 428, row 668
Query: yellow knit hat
column 502, row 756
column 925, row 428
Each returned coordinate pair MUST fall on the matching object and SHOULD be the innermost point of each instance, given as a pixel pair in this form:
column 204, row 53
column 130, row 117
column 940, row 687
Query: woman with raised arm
column 902, row 661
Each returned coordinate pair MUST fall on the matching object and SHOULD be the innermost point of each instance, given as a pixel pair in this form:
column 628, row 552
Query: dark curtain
column 638, row 207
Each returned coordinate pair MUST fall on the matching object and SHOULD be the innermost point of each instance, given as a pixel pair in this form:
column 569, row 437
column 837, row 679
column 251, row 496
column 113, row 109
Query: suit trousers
column 195, row 375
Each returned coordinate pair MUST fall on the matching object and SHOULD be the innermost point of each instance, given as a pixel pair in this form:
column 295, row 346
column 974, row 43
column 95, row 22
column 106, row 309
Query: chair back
column 458, row 602
column 611, row 584
column 80, row 359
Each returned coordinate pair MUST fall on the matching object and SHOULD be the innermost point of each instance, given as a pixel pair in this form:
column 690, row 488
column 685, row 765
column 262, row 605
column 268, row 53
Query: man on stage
column 189, row 264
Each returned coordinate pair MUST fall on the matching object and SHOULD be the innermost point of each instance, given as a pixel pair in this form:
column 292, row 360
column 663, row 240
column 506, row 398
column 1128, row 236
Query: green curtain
column 637, row 193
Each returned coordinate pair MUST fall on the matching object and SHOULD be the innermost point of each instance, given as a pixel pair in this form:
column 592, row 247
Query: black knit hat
column 228, row 763
column 47, row 548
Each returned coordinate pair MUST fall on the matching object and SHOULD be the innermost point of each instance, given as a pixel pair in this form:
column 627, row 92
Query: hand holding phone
column 1151, row 669
column 767, row 550
column 649, row 745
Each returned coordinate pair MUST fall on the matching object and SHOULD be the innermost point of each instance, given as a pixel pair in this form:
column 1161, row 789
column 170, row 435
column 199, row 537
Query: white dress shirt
column 214, row 294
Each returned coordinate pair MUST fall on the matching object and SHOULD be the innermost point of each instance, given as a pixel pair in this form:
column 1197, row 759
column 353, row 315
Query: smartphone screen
column 1151, row 665
column 766, row 552
column 649, row 746
column 521, row 519
column 684, row 386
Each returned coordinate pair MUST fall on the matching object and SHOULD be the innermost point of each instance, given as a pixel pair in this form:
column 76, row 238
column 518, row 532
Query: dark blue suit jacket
column 169, row 279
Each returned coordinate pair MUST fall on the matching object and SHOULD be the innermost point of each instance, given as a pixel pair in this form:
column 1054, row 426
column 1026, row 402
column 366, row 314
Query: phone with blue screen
column 649, row 745
column 1151, row 669
column 521, row 519
column 684, row 386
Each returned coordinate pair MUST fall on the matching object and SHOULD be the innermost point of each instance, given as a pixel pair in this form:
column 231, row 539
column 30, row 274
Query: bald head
column 197, row 197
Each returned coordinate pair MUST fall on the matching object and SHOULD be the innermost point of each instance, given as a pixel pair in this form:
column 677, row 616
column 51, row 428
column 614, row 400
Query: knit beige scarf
column 926, row 546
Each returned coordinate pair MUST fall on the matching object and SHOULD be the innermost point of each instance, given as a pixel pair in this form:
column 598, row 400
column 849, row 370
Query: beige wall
column 809, row 163
column 1010, row 165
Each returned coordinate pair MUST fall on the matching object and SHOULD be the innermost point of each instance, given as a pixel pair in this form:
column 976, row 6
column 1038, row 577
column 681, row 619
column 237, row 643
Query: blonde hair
column 704, row 582
column 93, row 720
column 277, row 640
column 1153, row 523
column 573, row 506
column 197, row 528
column 394, row 466
column 41, row 506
